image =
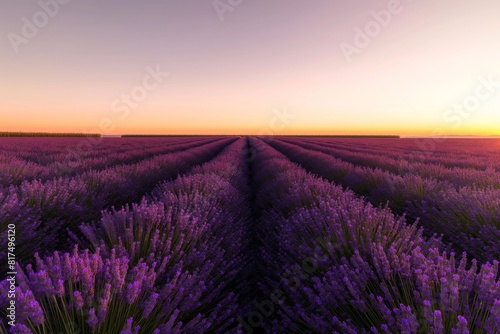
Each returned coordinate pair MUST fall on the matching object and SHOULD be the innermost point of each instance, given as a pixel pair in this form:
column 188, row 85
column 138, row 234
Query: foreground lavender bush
column 354, row 269
column 170, row 264
column 98, row 295
column 42, row 211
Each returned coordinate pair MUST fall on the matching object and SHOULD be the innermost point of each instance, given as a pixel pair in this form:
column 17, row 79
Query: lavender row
column 172, row 263
column 442, row 147
column 120, row 154
column 337, row 264
column 477, row 154
column 14, row 169
column 46, row 151
column 54, row 148
column 43, row 211
column 468, row 218
column 459, row 177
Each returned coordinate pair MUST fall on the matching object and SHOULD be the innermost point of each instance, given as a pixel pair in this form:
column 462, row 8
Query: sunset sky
column 424, row 67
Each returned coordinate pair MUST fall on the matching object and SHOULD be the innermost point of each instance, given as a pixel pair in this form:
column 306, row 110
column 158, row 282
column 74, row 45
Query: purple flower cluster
column 406, row 163
column 29, row 159
column 347, row 267
column 477, row 154
column 467, row 216
column 172, row 263
column 42, row 211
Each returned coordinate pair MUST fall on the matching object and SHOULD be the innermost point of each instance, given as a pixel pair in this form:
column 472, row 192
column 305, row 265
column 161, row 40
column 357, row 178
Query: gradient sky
column 231, row 76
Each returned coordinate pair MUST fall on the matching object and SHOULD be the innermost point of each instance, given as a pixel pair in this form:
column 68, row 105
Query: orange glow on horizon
column 423, row 75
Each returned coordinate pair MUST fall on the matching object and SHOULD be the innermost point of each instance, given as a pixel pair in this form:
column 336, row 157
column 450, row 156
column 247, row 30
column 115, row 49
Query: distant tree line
column 349, row 136
column 310, row 136
column 134, row 136
column 45, row 134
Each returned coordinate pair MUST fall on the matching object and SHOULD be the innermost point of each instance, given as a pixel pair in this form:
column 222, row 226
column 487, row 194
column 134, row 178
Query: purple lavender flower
column 78, row 300
column 92, row 319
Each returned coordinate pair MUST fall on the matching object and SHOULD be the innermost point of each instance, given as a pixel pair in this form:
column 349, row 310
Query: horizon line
column 70, row 134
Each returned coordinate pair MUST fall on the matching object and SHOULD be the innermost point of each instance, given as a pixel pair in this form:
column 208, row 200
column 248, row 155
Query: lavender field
column 249, row 235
